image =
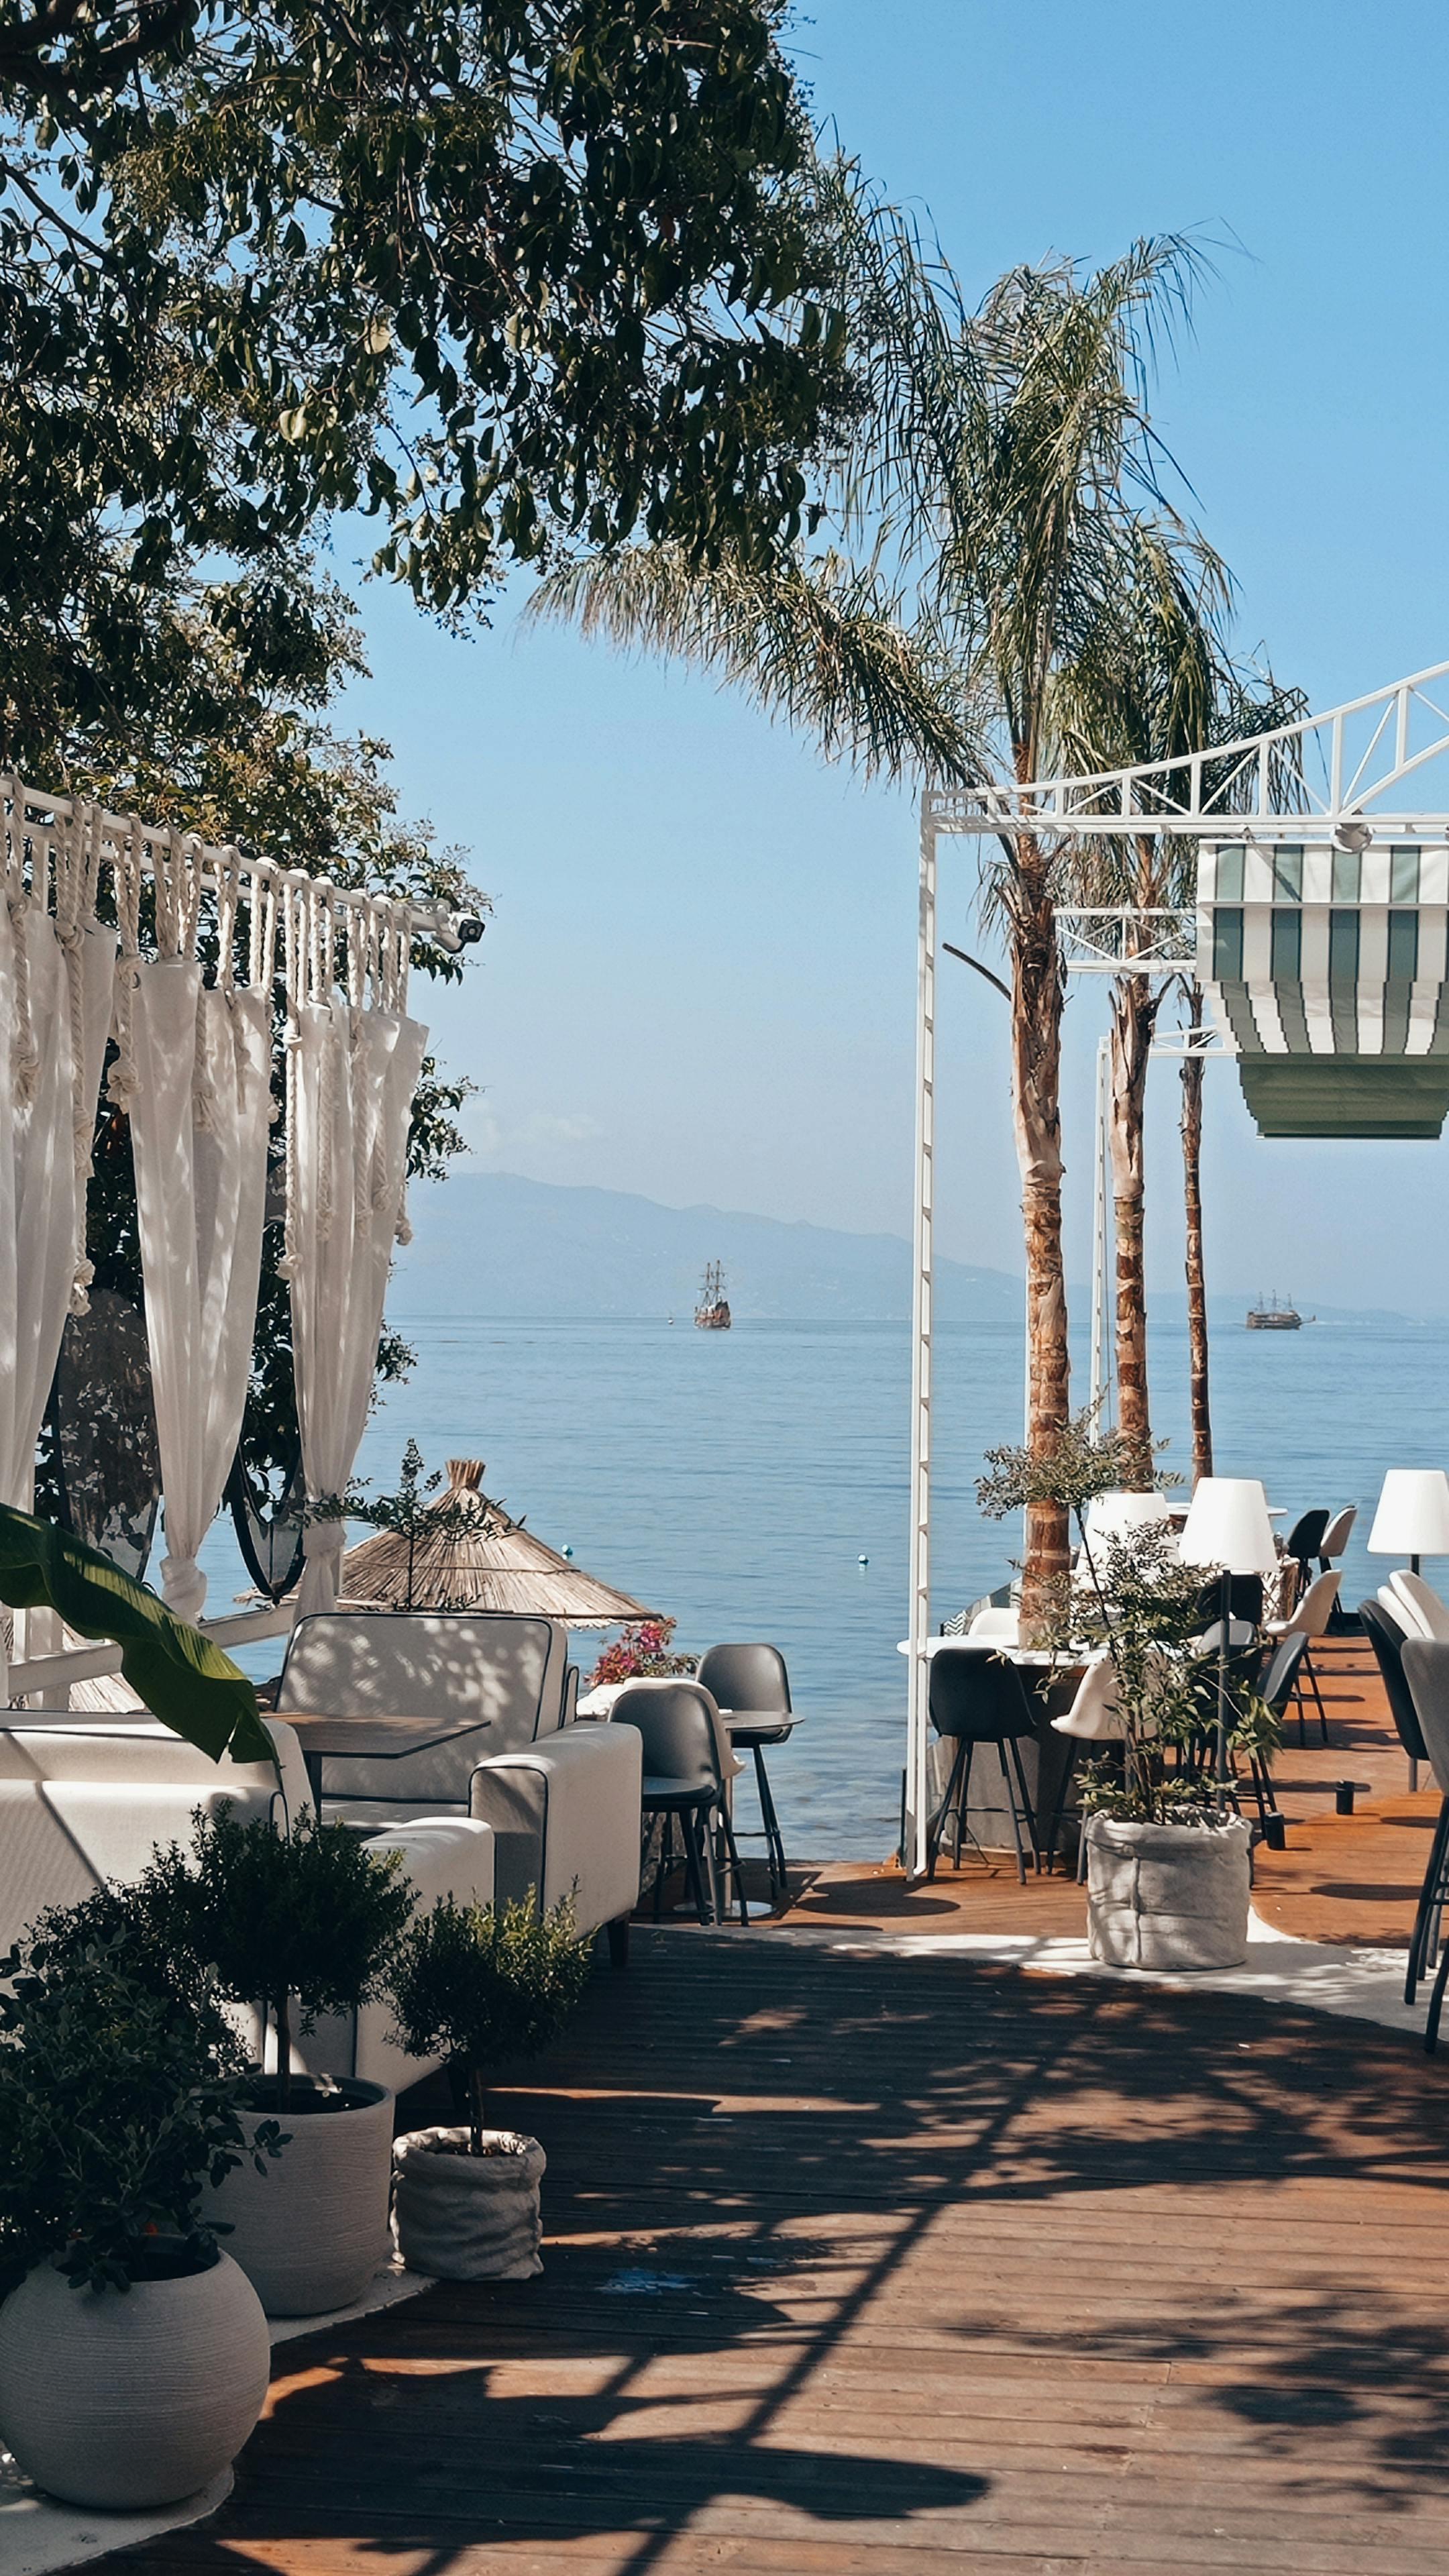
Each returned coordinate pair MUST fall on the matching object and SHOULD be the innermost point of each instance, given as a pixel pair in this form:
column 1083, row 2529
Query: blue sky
column 699, row 980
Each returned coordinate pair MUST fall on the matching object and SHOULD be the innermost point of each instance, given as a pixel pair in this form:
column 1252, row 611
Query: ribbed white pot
column 1168, row 1897
column 469, row 2218
column 312, row 2230
column 122, row 2398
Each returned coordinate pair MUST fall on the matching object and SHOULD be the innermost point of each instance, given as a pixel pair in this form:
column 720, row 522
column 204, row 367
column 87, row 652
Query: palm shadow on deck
column 848, row 2248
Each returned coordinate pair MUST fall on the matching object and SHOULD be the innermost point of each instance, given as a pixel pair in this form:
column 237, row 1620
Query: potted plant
column 1168, row 1874
column 300, row 1921
column 483, row 1986
column 134, row 2355
column 641, row 1653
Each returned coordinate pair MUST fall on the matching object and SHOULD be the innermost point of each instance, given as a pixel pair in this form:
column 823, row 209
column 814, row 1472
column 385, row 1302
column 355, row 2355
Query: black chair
column 1387, row 1639
column 1425, row 1663
column 683, row 1780
column 1305, row 1541
column 1245, row 1597
column 977, row 1697
column 751, row 1689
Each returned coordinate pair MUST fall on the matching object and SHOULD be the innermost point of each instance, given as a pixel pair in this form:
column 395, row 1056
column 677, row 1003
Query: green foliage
column 497, row 274
column 408, row 1511
column 119, row 2099
column 312, row 1914
column 486, row 1986
column 1082, row 1463
column 183, row 1679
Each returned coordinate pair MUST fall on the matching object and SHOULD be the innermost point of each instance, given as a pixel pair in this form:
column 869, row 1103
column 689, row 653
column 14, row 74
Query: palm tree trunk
column 1134, row 1017
column 1038, row 993
column 1197, row 1325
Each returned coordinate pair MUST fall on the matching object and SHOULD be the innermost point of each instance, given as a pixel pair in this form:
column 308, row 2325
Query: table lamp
column 1412, row 1519
column 1117, row 1514
column 1227, row 1525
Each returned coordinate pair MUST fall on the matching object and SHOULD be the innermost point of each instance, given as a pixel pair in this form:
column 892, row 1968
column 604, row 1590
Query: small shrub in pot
column 296, row 1924
column 485, row 1987
column 1168, row 1875
column 134, row 2355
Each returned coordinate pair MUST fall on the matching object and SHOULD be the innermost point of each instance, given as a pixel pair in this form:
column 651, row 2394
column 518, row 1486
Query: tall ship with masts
column 1274, row 1315
column 712, row 1314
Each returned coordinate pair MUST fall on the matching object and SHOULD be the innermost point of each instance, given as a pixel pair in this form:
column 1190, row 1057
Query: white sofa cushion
column 499, row 1672
column 566, row 1818
column 442, row 1856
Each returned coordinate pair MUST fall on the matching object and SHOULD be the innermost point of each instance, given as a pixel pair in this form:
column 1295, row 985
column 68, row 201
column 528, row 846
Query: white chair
column 1417, row 1606
column 1310, row 1620
column 1004, row 1626
column 556, row 1795
column 1337, row 1535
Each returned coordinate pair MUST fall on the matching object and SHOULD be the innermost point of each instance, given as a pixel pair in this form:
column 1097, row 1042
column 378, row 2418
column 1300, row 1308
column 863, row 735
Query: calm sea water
column 736, row 1480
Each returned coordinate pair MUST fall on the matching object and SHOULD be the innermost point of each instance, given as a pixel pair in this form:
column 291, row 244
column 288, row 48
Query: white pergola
column 1320, row 932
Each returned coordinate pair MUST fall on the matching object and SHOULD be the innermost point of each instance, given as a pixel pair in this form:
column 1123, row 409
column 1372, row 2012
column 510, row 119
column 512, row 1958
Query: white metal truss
column 1322, row 778
column 1333, row 768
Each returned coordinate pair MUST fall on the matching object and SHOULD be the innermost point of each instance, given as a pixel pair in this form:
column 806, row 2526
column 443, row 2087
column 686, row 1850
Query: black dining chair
column 1425, row 1663
column 683, row 1781
column 977, row 1697
column 751, row 1689
column 1305, row 1541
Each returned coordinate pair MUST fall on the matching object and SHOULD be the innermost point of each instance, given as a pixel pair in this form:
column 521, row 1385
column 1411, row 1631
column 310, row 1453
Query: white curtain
column 200, row 1105
column 353, row 1076
column 55, row 1013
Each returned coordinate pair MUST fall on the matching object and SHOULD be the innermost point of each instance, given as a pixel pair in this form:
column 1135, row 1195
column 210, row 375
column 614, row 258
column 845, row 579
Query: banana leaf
column 181, row 1676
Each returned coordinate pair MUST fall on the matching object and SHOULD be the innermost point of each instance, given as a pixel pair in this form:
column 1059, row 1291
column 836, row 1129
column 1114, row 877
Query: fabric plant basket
column 311, row 2230
column 462, row 2217
column 117, row 2399
column 1167, row 1897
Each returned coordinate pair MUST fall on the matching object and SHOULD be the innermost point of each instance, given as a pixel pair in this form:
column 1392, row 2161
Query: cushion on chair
column 454, row 1665
column 1417, row 1606
column 565, row 1817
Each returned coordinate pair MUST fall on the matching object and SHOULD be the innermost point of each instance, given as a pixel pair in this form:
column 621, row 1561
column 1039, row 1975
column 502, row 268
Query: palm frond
column 813, row 642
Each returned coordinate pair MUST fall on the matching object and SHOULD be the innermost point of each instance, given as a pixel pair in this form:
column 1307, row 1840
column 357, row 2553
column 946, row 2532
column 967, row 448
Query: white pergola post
column 918, row 1721
column 1100, row 1368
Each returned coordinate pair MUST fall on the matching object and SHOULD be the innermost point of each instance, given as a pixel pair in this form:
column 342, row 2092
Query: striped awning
column 1328, row 968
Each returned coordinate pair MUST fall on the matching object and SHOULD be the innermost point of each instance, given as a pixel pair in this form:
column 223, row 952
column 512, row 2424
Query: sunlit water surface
column 754, row 1484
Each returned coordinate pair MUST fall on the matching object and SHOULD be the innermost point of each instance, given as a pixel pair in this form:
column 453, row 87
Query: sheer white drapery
column 200, row 1106
column 55, row 1010
column 352, row 1075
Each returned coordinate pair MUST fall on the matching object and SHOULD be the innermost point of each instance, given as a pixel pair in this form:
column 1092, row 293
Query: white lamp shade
column 1116, row 1515
column 1227, row 1524
column 1413, row 1514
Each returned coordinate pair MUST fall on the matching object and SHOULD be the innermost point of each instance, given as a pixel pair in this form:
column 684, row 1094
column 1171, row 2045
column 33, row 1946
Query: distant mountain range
column 491, row 1243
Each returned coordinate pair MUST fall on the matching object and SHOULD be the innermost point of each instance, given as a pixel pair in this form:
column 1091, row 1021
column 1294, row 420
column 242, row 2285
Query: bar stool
column 751, row 1690
column 977, row 1697
column 683, row 1777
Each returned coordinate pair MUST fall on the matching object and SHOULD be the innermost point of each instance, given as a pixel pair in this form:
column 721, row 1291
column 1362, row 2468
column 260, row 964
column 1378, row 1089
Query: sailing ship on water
column 712, row 1314
column 1272, row 1315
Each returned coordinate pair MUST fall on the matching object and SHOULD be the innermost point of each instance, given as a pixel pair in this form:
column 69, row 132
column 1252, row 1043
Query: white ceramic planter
column 121, row 2398
column 311, row 2231
column 1167, row 1897
column 468, row 2218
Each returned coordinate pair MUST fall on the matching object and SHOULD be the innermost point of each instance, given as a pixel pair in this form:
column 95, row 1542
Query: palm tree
column 995, row 496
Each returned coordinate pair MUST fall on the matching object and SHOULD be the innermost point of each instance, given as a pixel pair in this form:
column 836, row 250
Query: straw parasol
column 479, row 1558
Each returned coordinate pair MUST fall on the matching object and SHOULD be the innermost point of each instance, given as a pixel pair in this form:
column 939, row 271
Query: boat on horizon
column 712, row 1314
column 1274, row 1316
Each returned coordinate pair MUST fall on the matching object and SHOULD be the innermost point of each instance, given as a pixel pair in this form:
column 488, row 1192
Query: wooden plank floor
column 870, row 2265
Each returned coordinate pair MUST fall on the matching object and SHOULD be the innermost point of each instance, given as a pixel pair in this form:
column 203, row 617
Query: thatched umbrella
column 476, row 1557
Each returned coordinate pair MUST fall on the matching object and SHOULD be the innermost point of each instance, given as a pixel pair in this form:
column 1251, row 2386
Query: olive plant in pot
column 293, row 1925
column 484, row 1987
column 1168, row 1875
column 134, row 2355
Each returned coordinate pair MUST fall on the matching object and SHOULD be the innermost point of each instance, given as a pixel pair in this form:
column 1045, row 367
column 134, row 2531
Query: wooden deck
column 862, row 2263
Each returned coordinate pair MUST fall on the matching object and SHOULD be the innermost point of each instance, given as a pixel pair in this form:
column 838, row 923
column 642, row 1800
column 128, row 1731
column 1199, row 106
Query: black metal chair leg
column 732, row 1851
column 1430, row 1902
column 1069, row 1771
column 1011, row 1810
column 774, row 1839
column 1028, row 1811
column 1308, row 1668
column 665, row 1825
column 935, row 1824
column 693, row 1840
column 1436, row 2006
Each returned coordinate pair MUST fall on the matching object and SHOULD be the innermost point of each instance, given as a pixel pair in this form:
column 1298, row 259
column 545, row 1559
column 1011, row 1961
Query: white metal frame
column 1322, row 776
